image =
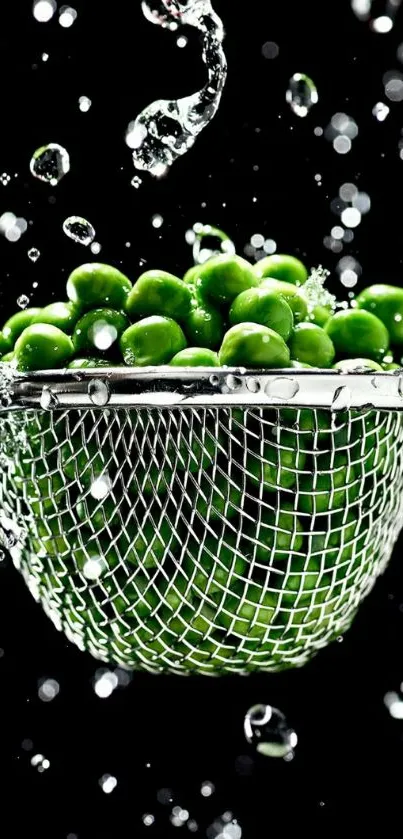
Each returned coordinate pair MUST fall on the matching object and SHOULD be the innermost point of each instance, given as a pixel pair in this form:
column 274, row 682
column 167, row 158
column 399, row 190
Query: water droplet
column 157, row 221
column 166, row 129
column 253, row 385
column 34, row 254
column 136, row 182
column 40, row 762
column 214, row 380
column 95, row 247
column 22, row 301
column 48, row 399
column 341, row 399
column 107, row 783
column 79, row 229
column 84, row 103
column 266, row 728
column 301, row 94
column 101, row 487
column 94, row 568
column 50, row 163
column 48, row 689
column 148, row 819
column 67, row 16
column 282, row 388
column 208, row 241
column 380, row 111
column 43, row 10
column 5, row 179
column 98, row 392
column 233, row 382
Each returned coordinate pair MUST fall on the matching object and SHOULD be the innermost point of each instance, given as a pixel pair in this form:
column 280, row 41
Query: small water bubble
column 266, row 728
column 148, row 819
column 101, row 487
column 136, row 182
column 34, row 254
column 48, row 399
column 192, row 826
column 67, row 16
column 282, row 388
column 207, row 788
column 394, row 88
column 165, row 795
column 84, row 103
column 301, row 94
column 253, row 385
column 214, row 380
column 380, row 111
column 40, row 762
column 382, row 24
column 50, row 163
column 157, row 221
column 99, row 392
column 342, row 144
column 105, row 682
column 22, row 301
column 233, row 382
column 45, row 56
column 351, row 217
column 79, row 229
column 5, row 178
column 95, row 247
column 48, row 689
column 182, row 41
column 270, row 50
column 43, row 10
column 341, row 399
column 108, row 783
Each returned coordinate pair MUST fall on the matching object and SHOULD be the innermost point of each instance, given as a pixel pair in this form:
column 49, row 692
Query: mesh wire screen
column 206, row 540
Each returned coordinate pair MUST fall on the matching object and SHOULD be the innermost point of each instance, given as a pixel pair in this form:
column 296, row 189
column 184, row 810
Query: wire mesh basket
column 212, row 521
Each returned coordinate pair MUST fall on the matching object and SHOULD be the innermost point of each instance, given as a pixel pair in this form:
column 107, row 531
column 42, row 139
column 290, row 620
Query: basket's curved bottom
column 205, row 541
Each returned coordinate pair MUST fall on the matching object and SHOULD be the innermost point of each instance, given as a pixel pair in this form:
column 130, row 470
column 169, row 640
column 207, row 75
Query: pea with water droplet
column 99, row 330
column 291, row 294
column 255, row 346
column 159, row 293
column 386, row 302
column 223, row 277
column 195, row 357
column 204, row 325
column 263, row 306
column 82, row 363
column 43, row 347
column 283, row 267
column 15, row 325
column 356, row 332
column 153, row 340
column 311, row 344
column 96, row 284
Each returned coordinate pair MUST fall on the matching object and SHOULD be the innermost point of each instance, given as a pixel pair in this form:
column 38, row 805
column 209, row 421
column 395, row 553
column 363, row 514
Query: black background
column 347, row 764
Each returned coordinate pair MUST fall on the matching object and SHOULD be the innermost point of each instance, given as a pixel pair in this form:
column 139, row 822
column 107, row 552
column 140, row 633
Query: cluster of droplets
column 208, row 241
column 381, row 23
column 315, row 292
column 167, row 129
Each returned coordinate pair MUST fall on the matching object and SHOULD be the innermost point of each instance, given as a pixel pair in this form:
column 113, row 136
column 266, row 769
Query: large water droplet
column 233, row 382
column 22, row 301
column 166, row 129
column 98, row 392
column 48, row 399
column 34, row 254
column 50, row 163
column 267, row 729
column 301, row 94
column 253, row 384
column 282, row 388
column 79, row 229
column 208, row 241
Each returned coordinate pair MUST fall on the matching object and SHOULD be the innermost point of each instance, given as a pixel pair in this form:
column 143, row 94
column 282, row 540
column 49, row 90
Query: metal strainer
column 208, row 520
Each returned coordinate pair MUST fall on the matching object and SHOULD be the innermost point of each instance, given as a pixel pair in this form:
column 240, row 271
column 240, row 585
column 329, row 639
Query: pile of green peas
column 225, row 312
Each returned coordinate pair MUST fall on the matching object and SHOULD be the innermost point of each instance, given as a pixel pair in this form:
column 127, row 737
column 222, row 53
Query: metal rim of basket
column 167, row 387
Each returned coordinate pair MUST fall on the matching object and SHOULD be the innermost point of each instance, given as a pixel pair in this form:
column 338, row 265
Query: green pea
column 263, row 306
column 43, row 347
column 310, row 343
column 204, row 326
column 99, row 330
column 282, row 267
column 349, row 365
column 300, row 365
column 320, row 315
column 15, row 325
column 248, row 616
column 95, row 284
column 336, row 488
column 9, row 356
column 195, row 357
column 291, row 294
column 386, row 302
column 225, row 276
column 358, row 333
column 219, row 498
column 79, row 363
column 253, row 345
column 278, row 535
column 192, row 275
column 216, row 566
column 62, row 315
column 278, row 465
column 391, row 366
column 5, row 345
column 154, row 340
column 159, row 293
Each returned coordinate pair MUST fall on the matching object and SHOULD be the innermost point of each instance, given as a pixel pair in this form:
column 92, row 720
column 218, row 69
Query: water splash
column 167, row 128
column 201, row 235
column 315, row 292
column 50, row 163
